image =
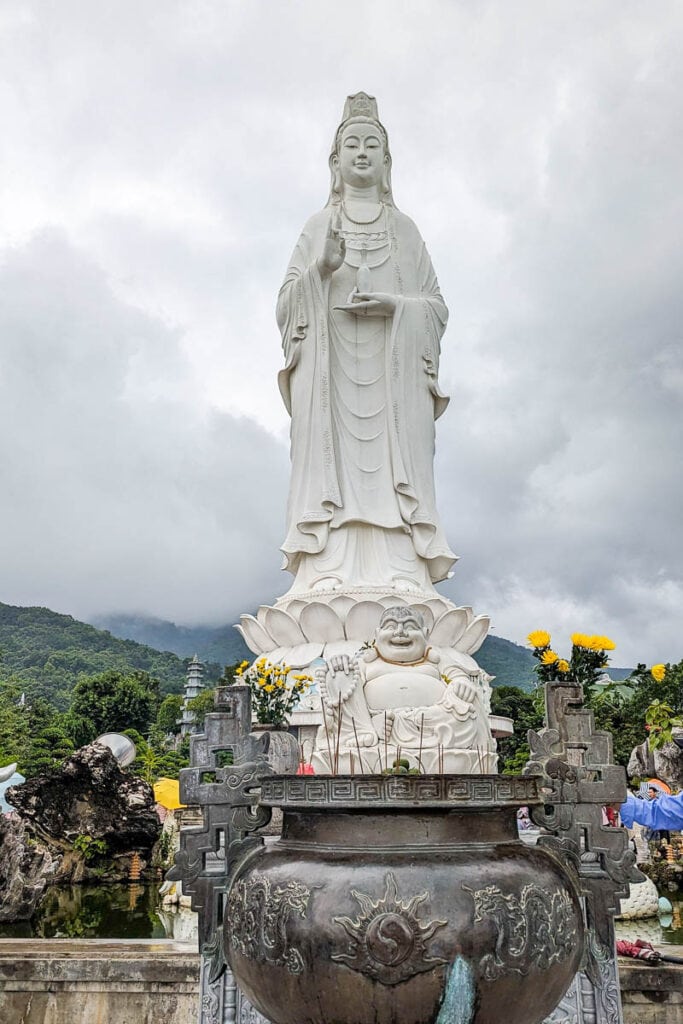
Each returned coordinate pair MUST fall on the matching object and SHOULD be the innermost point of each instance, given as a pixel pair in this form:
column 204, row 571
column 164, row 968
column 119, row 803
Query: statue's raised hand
column 334, row 248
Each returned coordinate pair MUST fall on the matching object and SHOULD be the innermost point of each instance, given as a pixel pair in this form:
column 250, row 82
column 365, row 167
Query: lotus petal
column 321, row 623
column 261, row 614
column 458, row 659
column 427, row 614
column 449, row 628
column 438, row 606
column 342, row 605
column 255, row 636
column 294, row 607
column 302, row 655
column 363, row 620
column 276, row 654
column 283, row 628
column 474, row 635
column 393, row 601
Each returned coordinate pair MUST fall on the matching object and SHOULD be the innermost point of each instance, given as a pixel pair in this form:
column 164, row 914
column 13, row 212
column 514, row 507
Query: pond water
column 666, row 929
column 105, row 912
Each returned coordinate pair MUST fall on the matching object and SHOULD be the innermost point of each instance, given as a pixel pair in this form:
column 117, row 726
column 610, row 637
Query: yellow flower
column 243, row 664
column 562, row 665
column 239, row 671
column 658, row 672
column 549, row 658
column 600, row 643
column 262, row 681
column 580, row 640
column 269, row 688
column 539, row 638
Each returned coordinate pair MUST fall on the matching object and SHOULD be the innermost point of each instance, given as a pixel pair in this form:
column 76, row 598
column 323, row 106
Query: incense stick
column 422, row 726
column 336, row 749
column 360, row 759
column 327, row 731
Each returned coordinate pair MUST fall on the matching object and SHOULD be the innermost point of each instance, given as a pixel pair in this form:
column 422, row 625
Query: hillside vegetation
column 45, row 653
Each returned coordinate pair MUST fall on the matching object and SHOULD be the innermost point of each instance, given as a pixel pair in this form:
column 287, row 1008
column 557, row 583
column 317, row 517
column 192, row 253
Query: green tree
column 32, row 732
column 113, row 702
column 168, row 715
column 200, row 706
column 15, row 737
column 523, row 709
column 624, row 716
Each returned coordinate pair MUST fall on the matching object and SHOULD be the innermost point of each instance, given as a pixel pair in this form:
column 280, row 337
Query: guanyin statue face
column 361, row 155
column 401, row 636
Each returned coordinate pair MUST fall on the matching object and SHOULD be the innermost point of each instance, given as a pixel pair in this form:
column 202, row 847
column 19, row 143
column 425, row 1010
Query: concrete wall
column 91, row 981
column 652, row 995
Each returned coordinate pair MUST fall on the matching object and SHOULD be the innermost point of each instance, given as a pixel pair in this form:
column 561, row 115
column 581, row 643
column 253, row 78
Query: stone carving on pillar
column 580, row 778
column 227, row 764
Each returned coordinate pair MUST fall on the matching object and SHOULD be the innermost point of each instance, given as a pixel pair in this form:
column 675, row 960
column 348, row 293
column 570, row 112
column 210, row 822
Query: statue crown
column 360, row 105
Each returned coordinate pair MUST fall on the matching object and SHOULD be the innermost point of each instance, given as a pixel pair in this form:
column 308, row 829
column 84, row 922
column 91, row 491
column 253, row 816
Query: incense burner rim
column 373, row 792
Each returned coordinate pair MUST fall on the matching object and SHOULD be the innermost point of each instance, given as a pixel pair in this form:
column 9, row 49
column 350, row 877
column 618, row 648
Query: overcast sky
column 158, row 161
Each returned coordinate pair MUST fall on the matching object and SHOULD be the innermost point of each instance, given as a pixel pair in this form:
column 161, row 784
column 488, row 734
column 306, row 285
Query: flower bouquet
column 275, row 690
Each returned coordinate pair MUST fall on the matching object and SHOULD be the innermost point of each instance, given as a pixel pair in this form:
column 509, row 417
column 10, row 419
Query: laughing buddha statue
column 400, row 699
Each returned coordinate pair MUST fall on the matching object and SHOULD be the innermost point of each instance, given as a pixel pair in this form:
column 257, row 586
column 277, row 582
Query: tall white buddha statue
column 361, row 318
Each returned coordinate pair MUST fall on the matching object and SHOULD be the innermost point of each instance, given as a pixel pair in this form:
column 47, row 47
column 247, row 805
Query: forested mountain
column 46, row 652
column 511, row 664
column 219, row 644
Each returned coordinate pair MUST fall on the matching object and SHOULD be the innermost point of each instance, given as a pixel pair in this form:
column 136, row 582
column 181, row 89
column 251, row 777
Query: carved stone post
column 227, row 763
column 580, row 778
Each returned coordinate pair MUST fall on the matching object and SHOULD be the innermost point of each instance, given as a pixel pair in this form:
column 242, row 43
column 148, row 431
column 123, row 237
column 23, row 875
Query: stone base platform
column 96, row 981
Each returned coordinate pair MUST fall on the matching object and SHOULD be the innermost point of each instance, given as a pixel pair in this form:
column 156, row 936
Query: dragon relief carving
column 257, row 915
column 535, row 929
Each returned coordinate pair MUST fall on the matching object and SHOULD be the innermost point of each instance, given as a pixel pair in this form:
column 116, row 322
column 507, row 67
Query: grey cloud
column 115, row 497
column 180, row 148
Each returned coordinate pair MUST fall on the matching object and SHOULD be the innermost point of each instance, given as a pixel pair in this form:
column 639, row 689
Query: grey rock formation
column 89, row 813
column 26, row 866
column 90, row 795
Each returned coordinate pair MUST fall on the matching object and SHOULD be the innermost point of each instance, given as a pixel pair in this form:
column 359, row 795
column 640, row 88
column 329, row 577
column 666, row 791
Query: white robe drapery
column 363, row 396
